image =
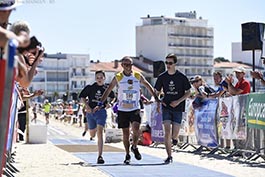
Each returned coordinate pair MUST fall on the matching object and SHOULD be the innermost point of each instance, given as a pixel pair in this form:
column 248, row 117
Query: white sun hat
column 8, row 4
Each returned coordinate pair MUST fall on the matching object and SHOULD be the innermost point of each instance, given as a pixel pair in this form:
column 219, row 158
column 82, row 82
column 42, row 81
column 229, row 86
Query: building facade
column 189, row 37
column 60, row 74
column 246, row 56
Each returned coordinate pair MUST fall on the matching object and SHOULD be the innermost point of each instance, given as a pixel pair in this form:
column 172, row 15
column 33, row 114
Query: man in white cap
column 258, row 75
column 242, row 86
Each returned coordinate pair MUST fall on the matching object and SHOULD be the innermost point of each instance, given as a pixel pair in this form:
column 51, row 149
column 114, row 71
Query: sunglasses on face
column 126, row 64
column 99, row 77
column 169, row 62
column 5, row 24
column 194, row 81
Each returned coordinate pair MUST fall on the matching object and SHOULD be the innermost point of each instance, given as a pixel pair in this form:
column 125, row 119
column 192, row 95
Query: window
column 83, row 72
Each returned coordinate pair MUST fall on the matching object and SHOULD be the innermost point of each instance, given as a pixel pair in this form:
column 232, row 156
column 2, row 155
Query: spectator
column 34, row 110
column 145, row 136
column 258, row 75
column 202, row 90
column 69, row 112
column 47, row 109
column 29, row 57
column 80, row 113
column 220, row 83
column 85, row 123
column 242, row 86
column 22, row 112
column 6, row 8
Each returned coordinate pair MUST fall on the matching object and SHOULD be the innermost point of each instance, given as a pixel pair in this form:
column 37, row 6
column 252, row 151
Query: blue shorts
column 97, row 118
column 171, row 116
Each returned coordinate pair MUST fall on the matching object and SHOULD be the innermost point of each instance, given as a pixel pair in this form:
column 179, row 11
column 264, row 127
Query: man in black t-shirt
column 96, row 119
column 176, row 89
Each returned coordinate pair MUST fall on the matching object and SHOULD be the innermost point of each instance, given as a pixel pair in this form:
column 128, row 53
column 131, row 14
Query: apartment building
column 189, row 37
column 62, row 73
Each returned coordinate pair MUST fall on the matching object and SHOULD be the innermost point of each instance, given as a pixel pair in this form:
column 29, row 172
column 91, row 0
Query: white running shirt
column 128, row 91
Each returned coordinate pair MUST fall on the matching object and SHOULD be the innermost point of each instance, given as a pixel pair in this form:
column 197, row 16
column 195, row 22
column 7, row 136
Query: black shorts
column 84, row 119
column 125, row 118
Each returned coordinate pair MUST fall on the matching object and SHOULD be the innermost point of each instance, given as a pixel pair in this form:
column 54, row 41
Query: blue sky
column 105, row 29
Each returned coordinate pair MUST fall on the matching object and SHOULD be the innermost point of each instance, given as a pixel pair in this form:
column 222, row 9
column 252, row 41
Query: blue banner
column 205, row 123
column 156, row 124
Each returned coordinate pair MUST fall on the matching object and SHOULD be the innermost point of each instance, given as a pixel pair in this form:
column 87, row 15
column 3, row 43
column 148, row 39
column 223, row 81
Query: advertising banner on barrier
column 184, row 129
column 256, row 110
column 156, row 124
column 190, row 120
column 224, row 118
column 205, row 123
column 238, row 121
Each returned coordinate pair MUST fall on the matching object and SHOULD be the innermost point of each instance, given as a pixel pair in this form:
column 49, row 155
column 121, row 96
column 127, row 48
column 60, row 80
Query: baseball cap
column 240, row 69
column 8, row 4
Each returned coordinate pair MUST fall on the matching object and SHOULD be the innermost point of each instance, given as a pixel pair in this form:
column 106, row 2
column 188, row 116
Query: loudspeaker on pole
column 252, row 36
column 158, row 68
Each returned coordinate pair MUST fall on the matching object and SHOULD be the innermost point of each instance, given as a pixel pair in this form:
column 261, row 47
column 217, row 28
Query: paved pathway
column 149, row 166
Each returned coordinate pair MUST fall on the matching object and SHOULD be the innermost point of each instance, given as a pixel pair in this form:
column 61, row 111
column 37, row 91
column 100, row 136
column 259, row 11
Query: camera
column 40, row 52
column 33, row 44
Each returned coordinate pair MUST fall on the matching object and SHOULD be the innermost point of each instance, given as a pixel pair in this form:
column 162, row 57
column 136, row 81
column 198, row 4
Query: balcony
column 57, row 80
column 55, row 68
column 190, row 35
column 201, row 74
column 198, row 56
column 195, row 65
column 79, row 74
column 77, row 87
column 38, row 80
column 190, row 46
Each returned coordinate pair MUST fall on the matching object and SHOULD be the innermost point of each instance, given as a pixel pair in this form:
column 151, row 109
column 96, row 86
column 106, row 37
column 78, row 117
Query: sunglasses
column 99, row 77
column 5, row 24
column 126, row 64
column 194, row 81
column 169, row 62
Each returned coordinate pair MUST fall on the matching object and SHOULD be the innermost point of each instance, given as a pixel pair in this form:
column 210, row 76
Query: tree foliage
column 221, row 59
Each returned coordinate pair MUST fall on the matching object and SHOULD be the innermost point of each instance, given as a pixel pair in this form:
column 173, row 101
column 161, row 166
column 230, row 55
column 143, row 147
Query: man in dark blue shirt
column 176, row 89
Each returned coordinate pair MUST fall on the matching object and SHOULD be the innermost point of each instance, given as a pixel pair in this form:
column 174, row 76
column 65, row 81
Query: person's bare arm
column 5, row 35
column 184, row 97
column 231, row 89
column 258, row 75
column 234, row 91
column 35, row 93
column 112, row 84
